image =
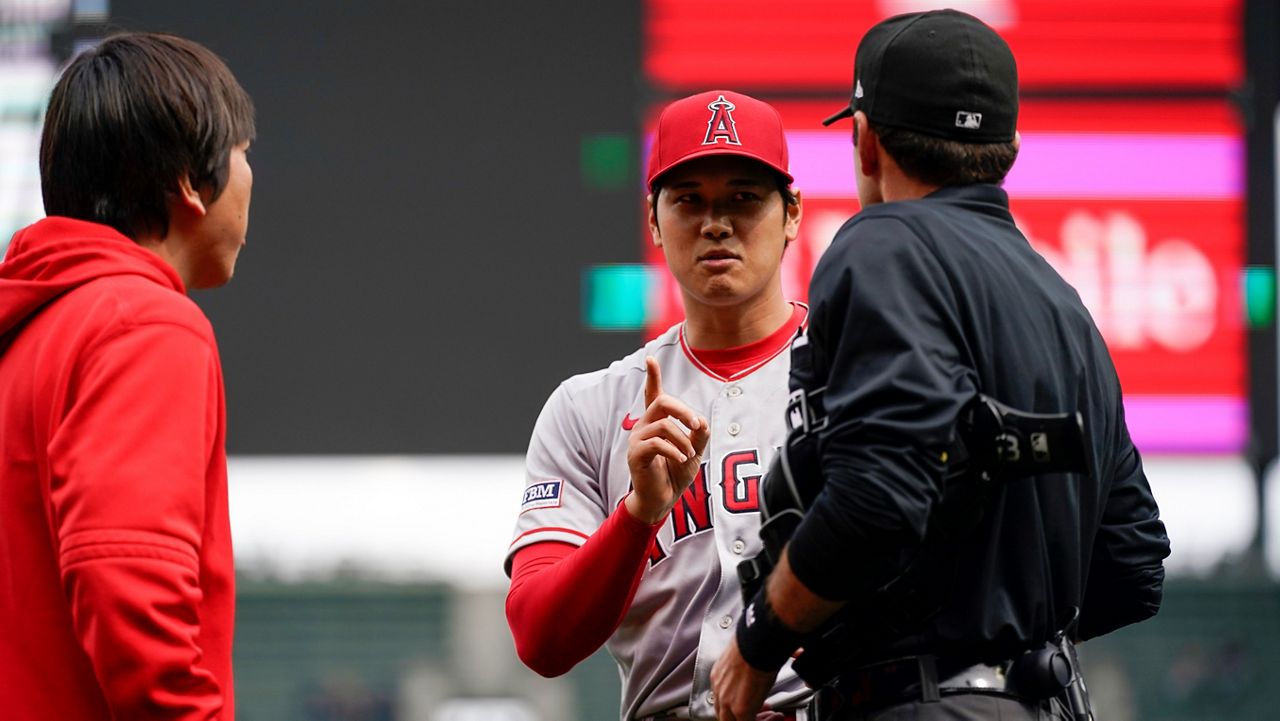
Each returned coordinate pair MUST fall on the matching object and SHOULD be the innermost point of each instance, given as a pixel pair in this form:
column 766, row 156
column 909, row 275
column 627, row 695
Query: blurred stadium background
column 447, row 221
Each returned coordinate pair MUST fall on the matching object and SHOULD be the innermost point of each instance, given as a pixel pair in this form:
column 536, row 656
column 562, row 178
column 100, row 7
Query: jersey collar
column 731, row 364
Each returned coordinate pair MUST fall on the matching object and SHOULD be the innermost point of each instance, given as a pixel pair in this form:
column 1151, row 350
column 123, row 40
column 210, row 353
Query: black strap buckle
column 805, row 411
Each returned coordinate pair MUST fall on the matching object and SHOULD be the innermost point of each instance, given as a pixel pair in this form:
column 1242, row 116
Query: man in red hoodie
column 116, row 576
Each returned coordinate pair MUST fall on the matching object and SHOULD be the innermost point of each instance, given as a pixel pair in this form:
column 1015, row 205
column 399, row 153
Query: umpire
column 925, row 298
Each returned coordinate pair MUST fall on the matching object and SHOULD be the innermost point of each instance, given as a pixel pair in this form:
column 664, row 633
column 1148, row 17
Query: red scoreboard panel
column 1138, row 204
column 807, row 45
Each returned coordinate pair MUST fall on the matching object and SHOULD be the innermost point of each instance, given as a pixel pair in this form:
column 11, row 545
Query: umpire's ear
column 866, row 145
column 654, row 231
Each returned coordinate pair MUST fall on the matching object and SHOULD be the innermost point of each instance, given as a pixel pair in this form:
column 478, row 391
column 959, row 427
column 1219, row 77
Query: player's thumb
column 700, row 436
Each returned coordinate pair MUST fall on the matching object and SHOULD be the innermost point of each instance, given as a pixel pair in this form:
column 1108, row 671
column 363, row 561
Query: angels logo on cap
column 721, row 125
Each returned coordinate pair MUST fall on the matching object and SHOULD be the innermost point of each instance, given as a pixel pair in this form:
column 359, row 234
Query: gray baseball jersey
column 687, row 605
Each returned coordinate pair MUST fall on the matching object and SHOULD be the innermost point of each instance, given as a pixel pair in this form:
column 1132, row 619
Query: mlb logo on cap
column 718, row 122
column 968, row 121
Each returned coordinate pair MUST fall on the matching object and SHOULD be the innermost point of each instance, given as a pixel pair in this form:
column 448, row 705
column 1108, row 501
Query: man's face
column 722, row 225
column 222, row 230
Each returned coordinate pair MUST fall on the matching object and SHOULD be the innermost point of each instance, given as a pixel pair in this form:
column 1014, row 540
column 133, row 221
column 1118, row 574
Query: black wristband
column 764, row 641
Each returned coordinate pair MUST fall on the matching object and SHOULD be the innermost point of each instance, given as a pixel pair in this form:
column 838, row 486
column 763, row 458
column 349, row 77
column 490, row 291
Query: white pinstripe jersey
column 686, row 608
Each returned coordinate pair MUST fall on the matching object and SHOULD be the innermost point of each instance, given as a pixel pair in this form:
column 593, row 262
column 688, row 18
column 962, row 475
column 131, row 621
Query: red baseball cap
column 718, row 122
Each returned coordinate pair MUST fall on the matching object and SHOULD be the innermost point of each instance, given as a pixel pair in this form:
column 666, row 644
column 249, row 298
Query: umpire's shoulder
column 897, row 223
column 873, row 237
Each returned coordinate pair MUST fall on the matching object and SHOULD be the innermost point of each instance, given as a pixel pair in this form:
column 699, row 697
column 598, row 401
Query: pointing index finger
column 658, row 405
column 652, row 380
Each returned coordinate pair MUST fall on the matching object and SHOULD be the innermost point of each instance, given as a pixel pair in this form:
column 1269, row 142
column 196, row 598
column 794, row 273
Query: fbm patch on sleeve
column 542, row 495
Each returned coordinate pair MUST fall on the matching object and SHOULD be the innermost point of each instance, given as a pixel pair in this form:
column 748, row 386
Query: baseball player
column 642, row 478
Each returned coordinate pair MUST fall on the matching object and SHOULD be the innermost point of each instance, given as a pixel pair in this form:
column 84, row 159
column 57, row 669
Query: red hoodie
column 116, row 578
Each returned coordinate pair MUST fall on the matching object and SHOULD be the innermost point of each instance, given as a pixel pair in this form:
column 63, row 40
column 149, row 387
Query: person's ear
column 189, row 198
column 868, row 145
column 794, row 212
column 654, row 231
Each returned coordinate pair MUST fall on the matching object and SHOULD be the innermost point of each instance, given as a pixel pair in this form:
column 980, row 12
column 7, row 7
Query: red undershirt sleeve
column 566, row 601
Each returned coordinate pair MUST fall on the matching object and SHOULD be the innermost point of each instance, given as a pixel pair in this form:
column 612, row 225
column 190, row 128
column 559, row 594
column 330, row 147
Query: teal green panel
column 615, row 297
column 1260, row 296
column 606, row 161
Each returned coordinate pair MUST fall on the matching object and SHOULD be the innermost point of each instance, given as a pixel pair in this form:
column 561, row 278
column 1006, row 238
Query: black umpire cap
column 942, row 73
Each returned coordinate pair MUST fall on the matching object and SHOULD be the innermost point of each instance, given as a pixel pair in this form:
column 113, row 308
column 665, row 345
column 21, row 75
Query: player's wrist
column 764, row 641
column 642, row 511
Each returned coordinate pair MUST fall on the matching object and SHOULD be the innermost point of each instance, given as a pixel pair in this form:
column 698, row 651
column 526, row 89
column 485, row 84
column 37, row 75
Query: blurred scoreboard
column 807, row 45
column 1130, row 180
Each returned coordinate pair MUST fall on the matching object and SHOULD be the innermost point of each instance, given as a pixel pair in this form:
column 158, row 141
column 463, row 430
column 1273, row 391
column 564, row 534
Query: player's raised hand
column 665, row 450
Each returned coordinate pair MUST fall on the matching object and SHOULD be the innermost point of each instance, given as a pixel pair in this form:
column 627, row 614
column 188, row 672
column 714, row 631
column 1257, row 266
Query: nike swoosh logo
column 628, row 422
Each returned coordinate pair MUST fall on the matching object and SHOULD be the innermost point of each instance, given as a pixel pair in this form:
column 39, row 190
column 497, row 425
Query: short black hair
column 129, row 119
column 784, row 188
column 943, row 162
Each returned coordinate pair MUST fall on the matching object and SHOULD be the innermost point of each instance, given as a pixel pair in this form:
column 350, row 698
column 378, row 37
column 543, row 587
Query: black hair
column 942, row 162
column 128, row 120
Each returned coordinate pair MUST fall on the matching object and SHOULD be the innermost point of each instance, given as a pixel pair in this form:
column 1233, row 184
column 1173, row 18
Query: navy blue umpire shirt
column 914, row 307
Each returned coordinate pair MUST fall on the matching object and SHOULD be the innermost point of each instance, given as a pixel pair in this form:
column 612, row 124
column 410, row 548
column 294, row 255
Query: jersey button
column 726, row 621
column 711, row 698
column 739, row 546
column 733, row 391
column 734, row 429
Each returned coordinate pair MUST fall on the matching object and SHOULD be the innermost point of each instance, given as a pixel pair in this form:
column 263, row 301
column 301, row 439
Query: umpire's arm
column 1126, row 568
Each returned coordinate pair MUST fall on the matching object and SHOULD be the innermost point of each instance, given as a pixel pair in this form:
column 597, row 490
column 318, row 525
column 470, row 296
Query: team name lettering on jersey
column 741, row 489
column 542, row 495
column 740, row 493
